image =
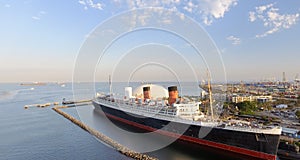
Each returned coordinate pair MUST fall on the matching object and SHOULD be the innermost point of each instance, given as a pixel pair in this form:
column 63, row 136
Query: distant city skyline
column 257, row 40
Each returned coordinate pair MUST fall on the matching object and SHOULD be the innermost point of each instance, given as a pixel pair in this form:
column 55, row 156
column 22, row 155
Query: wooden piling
column 127, row 152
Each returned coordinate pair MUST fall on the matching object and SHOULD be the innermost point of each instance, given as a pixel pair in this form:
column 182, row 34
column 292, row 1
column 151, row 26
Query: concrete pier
column 104, row 138
column 41, row 105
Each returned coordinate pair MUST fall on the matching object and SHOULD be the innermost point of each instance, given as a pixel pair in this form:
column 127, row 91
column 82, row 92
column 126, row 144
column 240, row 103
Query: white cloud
column 7, row 5
column 39, row 15
column 234, row 40
column 143, row 19
column 181, row 15
column 261, row 9
column 205, row 10
column 272, row 19
column 190, row 7
column 252, row 16
column 35, row 18
column 207, row 21
column 209, row 10
column 82, row 2
column 215, row 9
column 91, row 4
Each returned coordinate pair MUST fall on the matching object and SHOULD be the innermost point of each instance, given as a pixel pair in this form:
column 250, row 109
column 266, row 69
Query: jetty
column 122, row 149
column 68, row 104
column 41, row 105
column 64, row 102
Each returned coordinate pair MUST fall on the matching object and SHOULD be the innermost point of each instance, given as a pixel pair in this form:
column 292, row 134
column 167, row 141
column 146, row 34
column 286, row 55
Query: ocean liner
column 151, row 112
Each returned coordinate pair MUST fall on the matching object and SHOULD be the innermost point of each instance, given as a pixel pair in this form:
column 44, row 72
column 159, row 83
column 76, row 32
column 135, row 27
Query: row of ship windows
column 183, row 110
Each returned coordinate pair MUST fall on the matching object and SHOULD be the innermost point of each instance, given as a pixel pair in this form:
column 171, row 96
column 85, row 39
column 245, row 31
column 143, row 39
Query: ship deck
column 160, row 112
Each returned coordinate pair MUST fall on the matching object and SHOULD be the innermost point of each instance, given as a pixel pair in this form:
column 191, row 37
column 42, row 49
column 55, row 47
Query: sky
column 255, row 40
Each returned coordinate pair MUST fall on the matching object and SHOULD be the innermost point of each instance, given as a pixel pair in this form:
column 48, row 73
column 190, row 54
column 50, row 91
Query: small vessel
column 81, row 102
column 146, row 110
column 33, row 84
column 64, row 101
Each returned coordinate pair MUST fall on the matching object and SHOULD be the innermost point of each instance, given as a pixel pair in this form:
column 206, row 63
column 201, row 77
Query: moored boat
column 147, row 112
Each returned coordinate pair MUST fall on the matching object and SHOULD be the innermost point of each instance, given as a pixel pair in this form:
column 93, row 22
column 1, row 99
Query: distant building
column 263, row 99
column 282, row 106
column 241, row 98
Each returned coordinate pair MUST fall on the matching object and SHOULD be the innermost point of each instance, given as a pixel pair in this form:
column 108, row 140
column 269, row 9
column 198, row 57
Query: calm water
column 40, row 133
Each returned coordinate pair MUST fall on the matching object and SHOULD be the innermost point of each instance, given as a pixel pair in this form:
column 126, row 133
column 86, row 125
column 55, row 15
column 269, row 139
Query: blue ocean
column 41, row 133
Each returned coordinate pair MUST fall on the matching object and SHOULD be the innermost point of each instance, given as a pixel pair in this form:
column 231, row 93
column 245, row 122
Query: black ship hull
column 249, row 144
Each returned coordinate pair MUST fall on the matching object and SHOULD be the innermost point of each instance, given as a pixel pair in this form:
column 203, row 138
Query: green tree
column 226, row 105
column 298, row 114
column 247, row 107
column 265, row 105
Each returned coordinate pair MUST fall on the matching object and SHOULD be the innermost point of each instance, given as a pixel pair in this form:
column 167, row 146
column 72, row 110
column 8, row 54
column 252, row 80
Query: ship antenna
column 210, row 94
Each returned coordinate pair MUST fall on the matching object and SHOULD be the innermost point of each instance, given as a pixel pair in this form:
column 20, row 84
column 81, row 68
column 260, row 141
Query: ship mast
column 109, row 81
column 210, row 95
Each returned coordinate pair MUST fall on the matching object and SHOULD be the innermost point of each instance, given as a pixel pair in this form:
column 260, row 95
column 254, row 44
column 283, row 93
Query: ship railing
column 158, row 109
column 153, row 111
column 257, row 130
column 158, row 112
column 249, row 128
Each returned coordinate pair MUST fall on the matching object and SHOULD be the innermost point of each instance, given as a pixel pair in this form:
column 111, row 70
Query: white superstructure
column 187, row 113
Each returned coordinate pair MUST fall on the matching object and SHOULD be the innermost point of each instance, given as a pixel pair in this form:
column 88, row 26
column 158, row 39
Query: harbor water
column 40, row 133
